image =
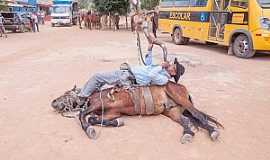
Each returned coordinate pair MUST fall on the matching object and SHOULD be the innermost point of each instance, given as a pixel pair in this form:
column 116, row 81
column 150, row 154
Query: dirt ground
column 37, row 67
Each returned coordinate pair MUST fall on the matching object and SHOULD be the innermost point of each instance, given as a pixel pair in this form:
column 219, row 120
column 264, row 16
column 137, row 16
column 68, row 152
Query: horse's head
column 67, row 101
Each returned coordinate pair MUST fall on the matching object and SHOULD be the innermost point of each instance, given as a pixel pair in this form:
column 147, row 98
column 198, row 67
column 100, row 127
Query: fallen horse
column 107, row 106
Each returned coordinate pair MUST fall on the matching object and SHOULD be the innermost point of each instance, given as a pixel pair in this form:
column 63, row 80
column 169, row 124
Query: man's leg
column 37, row 27
column 100, row 79
column 33, row 27
column 4, row 31
column 1, row 31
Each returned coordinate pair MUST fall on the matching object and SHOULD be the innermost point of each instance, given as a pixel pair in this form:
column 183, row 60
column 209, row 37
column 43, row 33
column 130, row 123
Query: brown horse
column 95, row 20
column 171, row 100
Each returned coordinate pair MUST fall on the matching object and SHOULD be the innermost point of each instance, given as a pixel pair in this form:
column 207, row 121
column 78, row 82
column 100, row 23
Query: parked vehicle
column 15, row 21
column 64, row 12
column 242, row 25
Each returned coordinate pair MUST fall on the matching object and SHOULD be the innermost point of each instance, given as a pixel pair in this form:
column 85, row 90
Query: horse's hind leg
column 176, row 115
column 213, row 132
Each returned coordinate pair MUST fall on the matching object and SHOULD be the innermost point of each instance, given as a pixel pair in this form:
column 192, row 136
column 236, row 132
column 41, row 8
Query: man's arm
column 148, row 58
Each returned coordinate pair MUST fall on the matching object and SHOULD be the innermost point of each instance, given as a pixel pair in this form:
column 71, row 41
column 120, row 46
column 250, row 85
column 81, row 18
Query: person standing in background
column 42, row 17
column 35, row 22
column 117, row 20
column 2, row 28
column 80, row 20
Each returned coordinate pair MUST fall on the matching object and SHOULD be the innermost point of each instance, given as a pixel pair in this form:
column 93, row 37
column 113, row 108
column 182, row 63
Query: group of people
column 34, row 22
column 150, row 18
column 34, row 18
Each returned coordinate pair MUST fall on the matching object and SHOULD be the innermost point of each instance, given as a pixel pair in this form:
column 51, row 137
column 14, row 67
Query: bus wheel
column 242, row 47
column 178, row 38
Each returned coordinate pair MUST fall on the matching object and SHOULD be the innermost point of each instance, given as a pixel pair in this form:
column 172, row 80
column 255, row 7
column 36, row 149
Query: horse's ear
column 74, row 88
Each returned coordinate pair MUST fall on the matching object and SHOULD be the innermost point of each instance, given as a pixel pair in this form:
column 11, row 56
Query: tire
column 53, row 25
column 242, row 47
column 177, row 37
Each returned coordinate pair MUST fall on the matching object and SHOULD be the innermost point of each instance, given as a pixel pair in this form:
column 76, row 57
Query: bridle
column 69, row 102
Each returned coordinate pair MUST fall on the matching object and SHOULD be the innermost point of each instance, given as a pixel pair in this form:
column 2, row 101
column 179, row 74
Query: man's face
column 172, row 70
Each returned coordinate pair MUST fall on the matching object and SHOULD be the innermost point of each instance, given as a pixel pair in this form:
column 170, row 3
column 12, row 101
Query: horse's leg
column 84, row 113
column 175, row 114
column 110, row 118
column 213, row 132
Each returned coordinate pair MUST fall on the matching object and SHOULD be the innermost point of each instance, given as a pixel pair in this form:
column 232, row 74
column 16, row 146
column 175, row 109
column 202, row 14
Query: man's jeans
column 100, row 79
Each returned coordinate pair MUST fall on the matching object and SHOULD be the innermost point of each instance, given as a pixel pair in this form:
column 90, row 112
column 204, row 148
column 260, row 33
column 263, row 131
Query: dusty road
column 35, row 68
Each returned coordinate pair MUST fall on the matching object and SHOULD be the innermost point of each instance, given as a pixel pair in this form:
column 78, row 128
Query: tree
column 149, row 4
column 85, row 4
column 3, row 6
column 111, row 6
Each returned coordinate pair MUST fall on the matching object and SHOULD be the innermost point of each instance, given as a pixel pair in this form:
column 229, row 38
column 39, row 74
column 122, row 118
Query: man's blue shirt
column 151, row 74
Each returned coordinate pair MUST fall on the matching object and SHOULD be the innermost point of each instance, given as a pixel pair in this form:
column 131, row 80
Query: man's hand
column 165, row 64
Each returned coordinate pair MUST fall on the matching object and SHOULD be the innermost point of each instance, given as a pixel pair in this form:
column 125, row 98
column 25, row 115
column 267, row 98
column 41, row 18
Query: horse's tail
column 210, row 118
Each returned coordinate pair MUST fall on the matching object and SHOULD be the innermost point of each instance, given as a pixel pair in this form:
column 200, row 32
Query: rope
column 102, row 114
column 140, row 57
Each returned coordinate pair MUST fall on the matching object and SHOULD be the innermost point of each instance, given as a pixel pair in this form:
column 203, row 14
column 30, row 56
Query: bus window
column 181, row 3
column 198, row 3
column 264, row 3
column 166, row 3
column 239, row 3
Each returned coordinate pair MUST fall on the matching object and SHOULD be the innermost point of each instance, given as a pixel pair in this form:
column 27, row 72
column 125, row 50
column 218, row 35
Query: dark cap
column 180, row 70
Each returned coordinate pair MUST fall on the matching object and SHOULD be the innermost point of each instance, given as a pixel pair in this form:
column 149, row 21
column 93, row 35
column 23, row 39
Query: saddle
column 136, row 94
column 150, row 103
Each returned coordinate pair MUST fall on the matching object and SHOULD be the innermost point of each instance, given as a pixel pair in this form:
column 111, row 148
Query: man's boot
column 82, row 101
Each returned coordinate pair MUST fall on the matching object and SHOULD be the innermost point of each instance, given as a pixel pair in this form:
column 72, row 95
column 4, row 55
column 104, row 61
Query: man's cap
column 180, row 70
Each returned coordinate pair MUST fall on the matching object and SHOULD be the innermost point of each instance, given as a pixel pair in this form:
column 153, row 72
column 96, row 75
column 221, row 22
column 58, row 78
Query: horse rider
column 129, row 76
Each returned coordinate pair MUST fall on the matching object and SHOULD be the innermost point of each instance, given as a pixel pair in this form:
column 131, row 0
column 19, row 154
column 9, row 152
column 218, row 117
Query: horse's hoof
column 90, row 132
column 186, row 138
column 214, row 135
column 120, row 122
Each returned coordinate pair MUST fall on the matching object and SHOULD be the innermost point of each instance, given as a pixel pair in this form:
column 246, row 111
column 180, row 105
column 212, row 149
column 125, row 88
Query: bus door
column 218, row 19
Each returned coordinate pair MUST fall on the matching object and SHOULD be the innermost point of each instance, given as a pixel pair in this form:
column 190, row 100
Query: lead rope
column 102, row 115
column 140, row 56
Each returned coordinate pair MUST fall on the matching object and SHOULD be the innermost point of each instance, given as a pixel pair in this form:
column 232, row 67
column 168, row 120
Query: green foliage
column 85, row 4
column 111, row 6
column 3, row 6
column 149, row 4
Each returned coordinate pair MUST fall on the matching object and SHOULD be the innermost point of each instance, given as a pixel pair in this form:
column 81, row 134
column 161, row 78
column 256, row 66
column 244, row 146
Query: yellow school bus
column 242, row 25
